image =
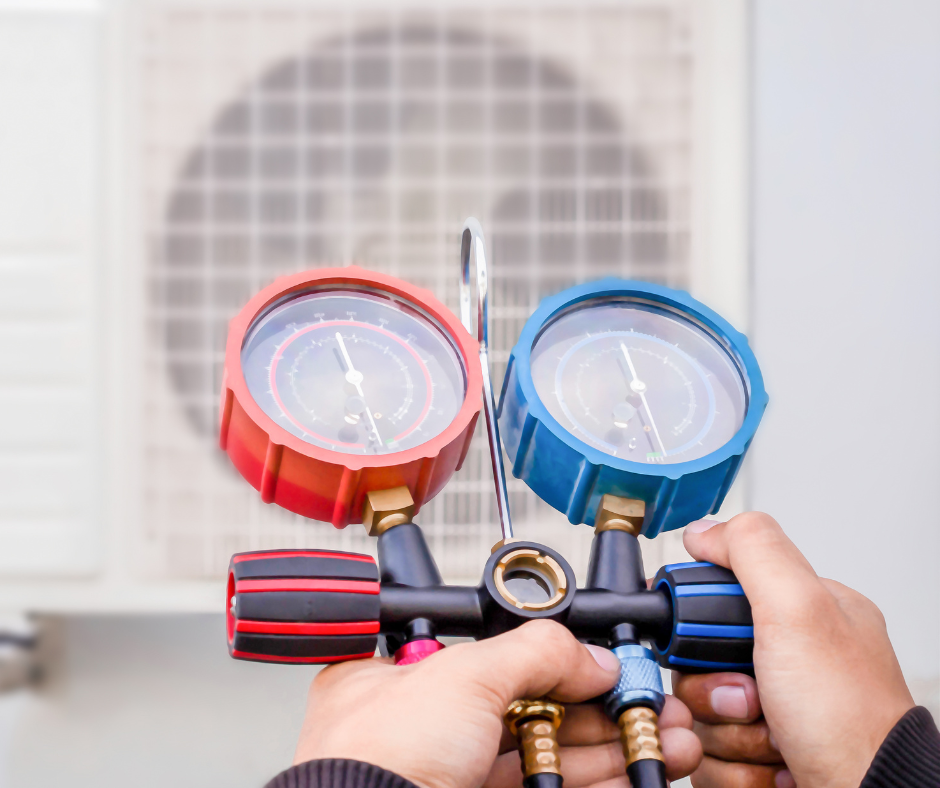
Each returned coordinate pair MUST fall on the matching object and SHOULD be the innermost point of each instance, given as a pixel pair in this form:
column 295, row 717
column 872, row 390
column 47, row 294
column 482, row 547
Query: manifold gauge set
column 351, row 396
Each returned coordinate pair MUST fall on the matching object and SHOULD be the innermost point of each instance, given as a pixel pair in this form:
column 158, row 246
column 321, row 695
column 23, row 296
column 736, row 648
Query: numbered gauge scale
column 341, row 381
column 630, row 389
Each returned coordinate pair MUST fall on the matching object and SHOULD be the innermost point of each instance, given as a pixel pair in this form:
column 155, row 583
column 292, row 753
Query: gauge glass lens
column 354, row 372
column 639, row 382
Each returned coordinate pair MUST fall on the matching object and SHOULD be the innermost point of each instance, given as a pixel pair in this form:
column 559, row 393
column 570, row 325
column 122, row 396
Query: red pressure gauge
column 342, row 381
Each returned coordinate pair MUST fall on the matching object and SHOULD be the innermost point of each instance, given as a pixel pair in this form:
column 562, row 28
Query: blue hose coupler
column 641, row 683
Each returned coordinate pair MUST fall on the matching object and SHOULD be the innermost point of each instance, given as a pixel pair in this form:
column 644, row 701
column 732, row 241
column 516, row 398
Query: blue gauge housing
column 571, row 475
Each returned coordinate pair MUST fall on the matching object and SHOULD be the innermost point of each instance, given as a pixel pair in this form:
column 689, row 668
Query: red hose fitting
column 417, row 650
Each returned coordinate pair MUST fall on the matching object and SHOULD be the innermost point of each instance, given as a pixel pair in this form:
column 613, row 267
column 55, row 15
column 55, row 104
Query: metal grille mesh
column 279, row 139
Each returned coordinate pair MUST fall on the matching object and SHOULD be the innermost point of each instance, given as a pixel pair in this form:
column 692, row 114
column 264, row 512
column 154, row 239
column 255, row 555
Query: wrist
column 338, row 773
column 908, row 755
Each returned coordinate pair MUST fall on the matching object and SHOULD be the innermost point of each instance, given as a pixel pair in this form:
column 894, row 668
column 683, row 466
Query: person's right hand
column 829, row 687
column 439, row 722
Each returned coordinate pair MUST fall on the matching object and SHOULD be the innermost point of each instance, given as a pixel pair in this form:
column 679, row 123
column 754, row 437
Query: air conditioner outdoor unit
column 222, row 144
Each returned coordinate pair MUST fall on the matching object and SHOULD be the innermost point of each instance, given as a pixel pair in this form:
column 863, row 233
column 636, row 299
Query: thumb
column 770, row 568
column 539, row 658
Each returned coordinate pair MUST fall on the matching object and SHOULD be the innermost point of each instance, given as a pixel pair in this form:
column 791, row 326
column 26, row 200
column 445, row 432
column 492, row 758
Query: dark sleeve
column 909, row 755
column 338, row 773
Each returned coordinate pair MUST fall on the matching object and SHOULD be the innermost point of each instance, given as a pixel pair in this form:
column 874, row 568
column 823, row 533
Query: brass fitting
column 619, row 514
column 639, row 735
column 384, row 509
column 535, row 724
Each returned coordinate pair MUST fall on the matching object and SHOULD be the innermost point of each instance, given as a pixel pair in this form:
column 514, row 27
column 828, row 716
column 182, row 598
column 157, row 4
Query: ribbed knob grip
column 302, row 606
column 640, row 682
column 712, row 628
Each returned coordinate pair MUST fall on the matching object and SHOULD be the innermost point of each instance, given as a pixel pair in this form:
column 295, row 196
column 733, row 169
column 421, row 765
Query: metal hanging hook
column 472, row 242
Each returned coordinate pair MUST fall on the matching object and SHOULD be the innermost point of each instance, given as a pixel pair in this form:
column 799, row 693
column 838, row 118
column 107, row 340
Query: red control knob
column 417, row 650
column 303, row 606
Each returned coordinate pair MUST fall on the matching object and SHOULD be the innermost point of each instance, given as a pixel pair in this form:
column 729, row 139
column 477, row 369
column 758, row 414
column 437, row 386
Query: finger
column 506, row 771
column 587, row 765
column 587, row 724
column 682, row 752
column 581, row 766
column 743, row 743
column 342, row 671
column 772, row 571
column 714, row 773
column 675, row 714
column 616, row 782
column 539, row 658
column 719, row 697
column 507, row 742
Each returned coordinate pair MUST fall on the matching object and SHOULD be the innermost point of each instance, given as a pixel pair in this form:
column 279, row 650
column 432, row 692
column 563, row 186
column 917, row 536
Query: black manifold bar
column 458, row 610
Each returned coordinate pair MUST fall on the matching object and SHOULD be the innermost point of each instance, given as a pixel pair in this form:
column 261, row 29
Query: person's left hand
column 439, row 723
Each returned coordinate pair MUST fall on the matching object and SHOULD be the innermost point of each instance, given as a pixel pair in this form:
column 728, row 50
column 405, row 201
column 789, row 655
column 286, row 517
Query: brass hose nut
column 639, row 735
column 535, row 724
column 521, row 710
column 619, row 514
column 384, row 509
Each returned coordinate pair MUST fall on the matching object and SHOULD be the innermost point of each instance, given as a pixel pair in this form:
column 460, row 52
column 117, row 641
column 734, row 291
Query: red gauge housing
column 317, row 482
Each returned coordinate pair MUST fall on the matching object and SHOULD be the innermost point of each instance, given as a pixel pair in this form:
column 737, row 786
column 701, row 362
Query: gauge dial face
column 639, row 382
column 352, row 371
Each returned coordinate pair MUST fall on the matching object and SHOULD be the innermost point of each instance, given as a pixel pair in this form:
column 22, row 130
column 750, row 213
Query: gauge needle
column 639, row 387
column 354, row 376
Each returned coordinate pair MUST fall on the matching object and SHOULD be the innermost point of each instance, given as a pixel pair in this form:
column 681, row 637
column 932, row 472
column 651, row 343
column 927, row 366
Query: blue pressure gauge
column 630, row 389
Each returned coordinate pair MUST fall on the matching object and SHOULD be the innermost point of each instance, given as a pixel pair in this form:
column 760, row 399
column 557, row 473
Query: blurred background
column 161, row 160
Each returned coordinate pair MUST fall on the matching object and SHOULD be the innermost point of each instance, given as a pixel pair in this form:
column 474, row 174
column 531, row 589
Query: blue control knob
column 641, row 683
column 712, row 629
column 630, row 389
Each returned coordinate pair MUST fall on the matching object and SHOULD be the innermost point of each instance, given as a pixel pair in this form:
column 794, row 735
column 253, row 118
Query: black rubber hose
column 648, row 773
column 544, row 780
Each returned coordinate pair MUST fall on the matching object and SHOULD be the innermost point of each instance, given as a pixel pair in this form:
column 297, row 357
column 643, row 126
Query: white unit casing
column 164, row 160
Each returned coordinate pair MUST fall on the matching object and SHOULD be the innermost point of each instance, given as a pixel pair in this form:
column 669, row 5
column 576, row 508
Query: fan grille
column 286, row 139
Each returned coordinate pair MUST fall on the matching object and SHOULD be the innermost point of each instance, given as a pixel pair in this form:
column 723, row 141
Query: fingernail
column 729, row 702
column 783, row 779
column 698, row 526
column 604, row 657
column 773, row 742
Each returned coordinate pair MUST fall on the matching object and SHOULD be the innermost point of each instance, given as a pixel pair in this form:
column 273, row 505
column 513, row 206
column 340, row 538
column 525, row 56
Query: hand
column 439, row 723
column 830, row 687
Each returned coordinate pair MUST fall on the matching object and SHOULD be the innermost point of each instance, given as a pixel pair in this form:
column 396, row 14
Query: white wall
column 153, row 701
column 846, row 298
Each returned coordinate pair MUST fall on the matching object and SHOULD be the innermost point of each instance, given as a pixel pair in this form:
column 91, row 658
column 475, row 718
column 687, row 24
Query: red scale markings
column 280, row 354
